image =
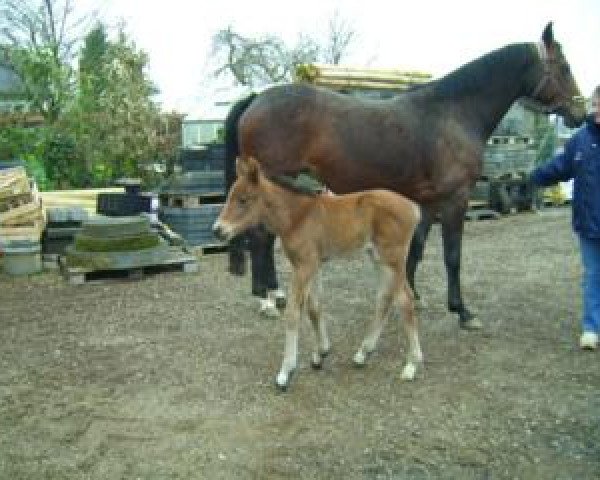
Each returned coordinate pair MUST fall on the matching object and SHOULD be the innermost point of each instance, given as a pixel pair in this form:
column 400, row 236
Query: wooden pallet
column 32, row 231
column 22, row 215
column 14, row 201
column 13, row 181
column 79, row 276
column 202, row 250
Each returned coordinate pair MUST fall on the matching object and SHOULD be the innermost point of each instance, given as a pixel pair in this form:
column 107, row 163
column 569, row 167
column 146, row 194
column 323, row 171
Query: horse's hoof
column 316, row 362
column 237, row 271
column 472, row 323
column 280, row 302
column 269, row 311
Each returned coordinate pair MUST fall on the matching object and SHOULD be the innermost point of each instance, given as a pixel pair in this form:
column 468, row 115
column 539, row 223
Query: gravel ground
column 172, row 377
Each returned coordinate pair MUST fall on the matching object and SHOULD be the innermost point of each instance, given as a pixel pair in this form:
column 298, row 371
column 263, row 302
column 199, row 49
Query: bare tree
column 339, row 38
column 41, row 24
column 258, row 61
column 268, row 60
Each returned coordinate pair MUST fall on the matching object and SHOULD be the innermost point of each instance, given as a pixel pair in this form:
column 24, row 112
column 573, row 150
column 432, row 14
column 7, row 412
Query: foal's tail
column 237, row 258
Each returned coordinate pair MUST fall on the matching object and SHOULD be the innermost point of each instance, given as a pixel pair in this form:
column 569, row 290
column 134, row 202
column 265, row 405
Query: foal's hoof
column 282, row 381
column 316, row 362
column 472, row 323
column 409, row 372
column 360, row 358
column 281, row 387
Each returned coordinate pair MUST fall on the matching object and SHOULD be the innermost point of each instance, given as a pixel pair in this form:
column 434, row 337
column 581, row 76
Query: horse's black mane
column 303, row 184
column 495, row 64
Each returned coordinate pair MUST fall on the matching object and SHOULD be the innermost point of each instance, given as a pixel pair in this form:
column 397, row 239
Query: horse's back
column 345, row 141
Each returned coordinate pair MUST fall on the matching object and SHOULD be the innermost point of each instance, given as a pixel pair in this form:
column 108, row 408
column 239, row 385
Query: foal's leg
column 274, row 293
column 322, row 344
column 237, row 255
column 293, row 313
column 414, row 358
column 385, row 298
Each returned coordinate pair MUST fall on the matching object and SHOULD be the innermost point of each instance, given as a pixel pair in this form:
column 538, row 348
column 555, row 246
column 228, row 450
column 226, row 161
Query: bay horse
column 314, row 228
column 426, row 143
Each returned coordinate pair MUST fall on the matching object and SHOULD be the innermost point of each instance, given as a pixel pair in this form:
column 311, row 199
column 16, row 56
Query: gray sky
column 431, row 36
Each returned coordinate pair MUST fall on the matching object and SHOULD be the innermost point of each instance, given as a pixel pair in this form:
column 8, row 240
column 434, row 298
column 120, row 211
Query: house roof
column 10, row 83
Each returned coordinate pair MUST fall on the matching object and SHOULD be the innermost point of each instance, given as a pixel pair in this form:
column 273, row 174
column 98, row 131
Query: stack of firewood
column 21, row 213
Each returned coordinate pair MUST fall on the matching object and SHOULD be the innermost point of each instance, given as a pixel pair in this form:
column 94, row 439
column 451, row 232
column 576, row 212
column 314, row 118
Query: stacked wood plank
column 21, row 213
column 340, row 77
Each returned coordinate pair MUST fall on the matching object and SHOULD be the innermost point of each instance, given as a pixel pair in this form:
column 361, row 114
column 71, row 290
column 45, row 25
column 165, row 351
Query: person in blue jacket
column 580, row 160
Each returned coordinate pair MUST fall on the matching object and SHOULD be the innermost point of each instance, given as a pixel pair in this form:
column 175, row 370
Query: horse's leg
column 417, row 246
column 385, row 298
column 299, row 293
column 237, row 255
column 452, row 230
column 263, row 268
column 322, row 344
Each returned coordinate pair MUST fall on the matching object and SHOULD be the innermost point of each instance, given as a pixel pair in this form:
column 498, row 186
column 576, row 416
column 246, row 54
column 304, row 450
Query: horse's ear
column 548, row 36
column 248, row 168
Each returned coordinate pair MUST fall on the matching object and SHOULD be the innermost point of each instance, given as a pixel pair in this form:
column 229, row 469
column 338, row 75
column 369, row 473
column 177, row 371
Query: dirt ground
column 172, row 377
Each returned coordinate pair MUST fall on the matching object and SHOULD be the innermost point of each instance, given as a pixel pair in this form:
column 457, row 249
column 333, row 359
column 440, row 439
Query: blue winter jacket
column 579, row 160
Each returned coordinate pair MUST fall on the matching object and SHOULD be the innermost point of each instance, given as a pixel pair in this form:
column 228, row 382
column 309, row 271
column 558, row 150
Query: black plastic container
column 123, row 204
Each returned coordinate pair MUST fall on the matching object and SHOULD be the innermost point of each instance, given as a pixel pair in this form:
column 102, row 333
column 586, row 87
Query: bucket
column 21, row 257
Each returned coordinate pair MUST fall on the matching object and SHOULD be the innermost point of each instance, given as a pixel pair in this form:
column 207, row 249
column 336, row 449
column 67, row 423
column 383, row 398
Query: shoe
column 588, row 340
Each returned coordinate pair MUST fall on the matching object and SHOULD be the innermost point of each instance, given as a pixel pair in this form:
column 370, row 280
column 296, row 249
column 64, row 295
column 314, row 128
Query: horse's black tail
column 237, row 257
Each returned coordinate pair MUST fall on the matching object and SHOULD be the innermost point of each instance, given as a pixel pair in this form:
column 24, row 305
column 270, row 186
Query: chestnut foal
column 315, row 228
